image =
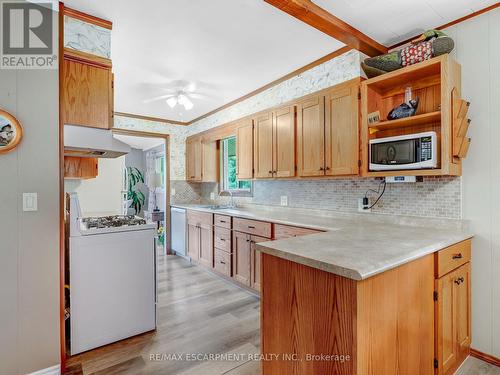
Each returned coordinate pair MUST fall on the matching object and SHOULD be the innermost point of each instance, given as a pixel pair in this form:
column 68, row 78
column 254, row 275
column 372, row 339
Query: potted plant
column 137, row 198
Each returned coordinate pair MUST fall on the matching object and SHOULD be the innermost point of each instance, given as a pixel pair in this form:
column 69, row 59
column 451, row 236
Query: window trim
column 223, row 173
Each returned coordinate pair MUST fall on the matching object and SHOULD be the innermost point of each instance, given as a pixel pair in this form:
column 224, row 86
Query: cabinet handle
column 222, row 221
column 457, row 256
column 327, row 168
column 222, row 262
column 321, row 168
column 251, row 227
column 222, row 239
column 270, row 172
column 459, row 281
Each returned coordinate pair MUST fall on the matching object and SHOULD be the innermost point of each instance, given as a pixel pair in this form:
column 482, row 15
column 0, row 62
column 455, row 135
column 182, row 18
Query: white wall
column 101, row 195
column 29, row 241
column 478, row 51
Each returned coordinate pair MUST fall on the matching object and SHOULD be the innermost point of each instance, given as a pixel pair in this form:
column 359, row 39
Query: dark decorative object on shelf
column 404, row 110
column 430, row 44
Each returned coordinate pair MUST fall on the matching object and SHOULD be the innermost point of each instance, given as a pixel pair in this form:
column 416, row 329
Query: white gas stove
column 112, row 277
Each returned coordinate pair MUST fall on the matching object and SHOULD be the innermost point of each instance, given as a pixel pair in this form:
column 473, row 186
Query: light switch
column 172, row 192
column 212, row 195
column 30, row 202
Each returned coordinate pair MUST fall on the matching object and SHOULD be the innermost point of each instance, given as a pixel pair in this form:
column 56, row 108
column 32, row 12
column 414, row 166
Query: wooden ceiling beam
column 317, row 17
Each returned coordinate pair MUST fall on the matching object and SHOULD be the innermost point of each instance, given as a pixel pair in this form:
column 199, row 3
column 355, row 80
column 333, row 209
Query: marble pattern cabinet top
column 86, row 37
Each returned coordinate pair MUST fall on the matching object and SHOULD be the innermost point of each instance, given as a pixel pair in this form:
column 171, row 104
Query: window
column 160, row 168
column 228, row 170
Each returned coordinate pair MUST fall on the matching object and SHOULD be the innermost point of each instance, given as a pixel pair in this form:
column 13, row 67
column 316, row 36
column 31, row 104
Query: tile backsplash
column 438, row 197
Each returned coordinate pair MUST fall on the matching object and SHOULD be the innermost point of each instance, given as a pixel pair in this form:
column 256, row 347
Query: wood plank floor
column 197, row 313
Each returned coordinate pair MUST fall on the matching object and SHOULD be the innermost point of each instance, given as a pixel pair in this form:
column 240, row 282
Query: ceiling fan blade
column 195, row 95
column 191, row 87
column 157, row 98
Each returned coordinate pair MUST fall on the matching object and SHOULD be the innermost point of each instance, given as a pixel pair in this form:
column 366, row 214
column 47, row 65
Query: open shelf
column 423, row 119
column 432, row 81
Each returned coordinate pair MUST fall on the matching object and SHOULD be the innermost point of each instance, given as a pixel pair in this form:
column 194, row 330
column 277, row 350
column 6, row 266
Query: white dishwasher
column 178, row 230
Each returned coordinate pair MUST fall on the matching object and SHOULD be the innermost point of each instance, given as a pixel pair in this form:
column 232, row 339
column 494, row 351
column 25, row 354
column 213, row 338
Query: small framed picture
column 11, row 132
column 373, row 117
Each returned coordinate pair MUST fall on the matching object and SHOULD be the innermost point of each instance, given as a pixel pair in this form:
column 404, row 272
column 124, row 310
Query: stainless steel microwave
column 412, row 151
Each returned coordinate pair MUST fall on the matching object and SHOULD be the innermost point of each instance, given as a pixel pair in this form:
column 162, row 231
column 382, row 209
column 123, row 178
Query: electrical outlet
column 172, row 192
column 212, row 196
column 284, row 200
column 361, row 206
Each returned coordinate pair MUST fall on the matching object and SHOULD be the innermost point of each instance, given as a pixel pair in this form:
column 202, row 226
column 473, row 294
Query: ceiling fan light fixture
column 172, row 101
column 184, row 101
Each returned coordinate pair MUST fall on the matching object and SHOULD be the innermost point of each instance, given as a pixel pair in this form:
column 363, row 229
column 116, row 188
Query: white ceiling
column 140, row 143
column 228, row 48
column 392, row 21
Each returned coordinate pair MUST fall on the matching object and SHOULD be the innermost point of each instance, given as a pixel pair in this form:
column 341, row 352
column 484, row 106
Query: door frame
column 166, row 137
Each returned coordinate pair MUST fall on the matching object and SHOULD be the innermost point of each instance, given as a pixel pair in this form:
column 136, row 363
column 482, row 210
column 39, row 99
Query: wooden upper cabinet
column 79, row 168
column 193, row 159
column 342, row 130
column 284, row 142
column 244, row 150
column 87, row 93
column 263, row 146
column 453, row 325
column 209, row 162
column 311, row 136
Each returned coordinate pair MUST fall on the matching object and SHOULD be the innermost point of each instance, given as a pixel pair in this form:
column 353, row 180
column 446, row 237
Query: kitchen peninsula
column 355, row 288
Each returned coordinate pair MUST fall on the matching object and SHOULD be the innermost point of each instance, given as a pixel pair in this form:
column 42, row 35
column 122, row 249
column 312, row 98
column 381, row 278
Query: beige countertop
column 356, row 246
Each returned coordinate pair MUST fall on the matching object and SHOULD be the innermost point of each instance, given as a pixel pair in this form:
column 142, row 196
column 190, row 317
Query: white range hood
column 93, row 143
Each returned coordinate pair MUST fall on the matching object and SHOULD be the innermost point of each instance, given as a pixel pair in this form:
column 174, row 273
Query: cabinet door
column 193, row 249
column 193, row 159
column 284, row 142
column 311, row 137
column 210, row 163
column 453, row 319
column 263, row 146
column 241, row 257
column 80, row 168
column 463, row 294
column 255, row 261
column 244, row 150
column 206, row 246
column 341, row 131
column 87, row 96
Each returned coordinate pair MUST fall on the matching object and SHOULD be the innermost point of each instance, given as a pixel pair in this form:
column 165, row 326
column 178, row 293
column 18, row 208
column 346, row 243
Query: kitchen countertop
column 356, row 246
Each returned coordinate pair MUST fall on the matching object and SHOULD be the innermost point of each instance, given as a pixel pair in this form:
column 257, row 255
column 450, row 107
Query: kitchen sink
column 217, row 207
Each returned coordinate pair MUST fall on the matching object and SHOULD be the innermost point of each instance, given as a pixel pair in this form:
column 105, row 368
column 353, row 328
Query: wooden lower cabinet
column 255, row 262
column 206, row 246
column 453, row 319
column 200, row 237
column 409, row 320
column 193, row 248
column 222, row 262
column 241, row 257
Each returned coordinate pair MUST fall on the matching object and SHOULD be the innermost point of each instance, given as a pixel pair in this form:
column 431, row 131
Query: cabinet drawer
column 222, row 221
column 222, row 262
column 452, row 257
column 199, row 218
column 258, row 228
column 223, row 239
column 286, row 231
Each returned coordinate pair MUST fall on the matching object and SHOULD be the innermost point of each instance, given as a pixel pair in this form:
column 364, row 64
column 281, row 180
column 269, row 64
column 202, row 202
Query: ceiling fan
column 181, row 93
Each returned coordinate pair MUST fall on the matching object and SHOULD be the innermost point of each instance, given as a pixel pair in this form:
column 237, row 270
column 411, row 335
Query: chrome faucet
column 228, row 193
